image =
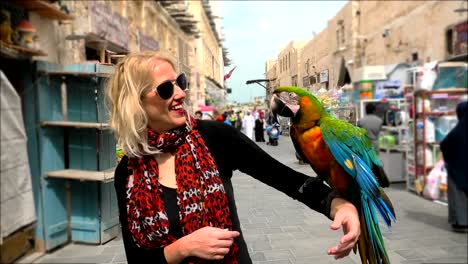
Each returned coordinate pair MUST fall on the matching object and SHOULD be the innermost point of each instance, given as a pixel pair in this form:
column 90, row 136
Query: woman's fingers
column 212, row 243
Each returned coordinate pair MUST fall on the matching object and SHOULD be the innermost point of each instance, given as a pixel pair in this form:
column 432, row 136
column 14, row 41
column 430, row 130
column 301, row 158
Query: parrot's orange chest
column 319, row 155
column 315, row 149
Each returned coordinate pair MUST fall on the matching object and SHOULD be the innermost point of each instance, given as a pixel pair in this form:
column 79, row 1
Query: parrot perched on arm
column 343, row 156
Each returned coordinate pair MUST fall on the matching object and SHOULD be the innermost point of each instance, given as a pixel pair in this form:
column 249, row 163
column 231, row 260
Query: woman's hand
column 209, row 243
column 344, row 214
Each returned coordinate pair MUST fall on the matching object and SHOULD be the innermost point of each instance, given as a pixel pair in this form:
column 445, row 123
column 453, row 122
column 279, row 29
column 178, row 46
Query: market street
column 280, row 230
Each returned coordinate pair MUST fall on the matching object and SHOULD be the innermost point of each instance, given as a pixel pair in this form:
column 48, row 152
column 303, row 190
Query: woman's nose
column 179, row 91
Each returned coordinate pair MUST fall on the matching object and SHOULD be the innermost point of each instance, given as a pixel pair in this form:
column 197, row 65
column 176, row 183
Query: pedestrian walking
column 260, row 128
column 372, row 124
column 455, row 150
column 248, row 124
column 174, row 190
column 238, row 123
column 226, row 119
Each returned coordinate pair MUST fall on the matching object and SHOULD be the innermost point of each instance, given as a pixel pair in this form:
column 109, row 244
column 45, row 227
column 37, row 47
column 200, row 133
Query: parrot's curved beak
column 278, row 107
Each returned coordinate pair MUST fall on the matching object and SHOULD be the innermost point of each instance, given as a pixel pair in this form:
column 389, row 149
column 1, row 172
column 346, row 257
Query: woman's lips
column 180, row 111
column 178, row 108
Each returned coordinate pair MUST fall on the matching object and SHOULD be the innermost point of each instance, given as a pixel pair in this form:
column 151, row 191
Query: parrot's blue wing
column 346, row 142
column 353, row 150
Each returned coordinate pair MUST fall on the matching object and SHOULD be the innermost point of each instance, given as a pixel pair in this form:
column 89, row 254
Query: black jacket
column 231, row 150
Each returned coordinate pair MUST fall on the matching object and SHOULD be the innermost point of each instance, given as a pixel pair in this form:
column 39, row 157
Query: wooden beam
column 83, row 175
column 101, row 126
column 43, row 8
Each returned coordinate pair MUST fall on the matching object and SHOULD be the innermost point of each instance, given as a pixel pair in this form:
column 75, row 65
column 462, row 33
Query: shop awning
column 206, row 108
column 343, row 75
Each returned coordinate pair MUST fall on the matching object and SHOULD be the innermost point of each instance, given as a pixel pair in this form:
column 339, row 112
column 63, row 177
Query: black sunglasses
column 166, row 89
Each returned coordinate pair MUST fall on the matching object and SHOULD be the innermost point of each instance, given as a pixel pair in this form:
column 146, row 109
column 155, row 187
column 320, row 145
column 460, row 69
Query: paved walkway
column 279, row 230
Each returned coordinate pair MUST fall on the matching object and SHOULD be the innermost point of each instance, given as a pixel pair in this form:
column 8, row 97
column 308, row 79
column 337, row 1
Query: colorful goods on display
column 365, row 90
column 119, row 154
column 25, row 34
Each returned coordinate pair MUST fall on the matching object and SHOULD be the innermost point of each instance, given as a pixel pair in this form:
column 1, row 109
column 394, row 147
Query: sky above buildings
column 256, row 31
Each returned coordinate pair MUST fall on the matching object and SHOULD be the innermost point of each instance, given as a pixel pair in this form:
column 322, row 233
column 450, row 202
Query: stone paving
column 279, row 230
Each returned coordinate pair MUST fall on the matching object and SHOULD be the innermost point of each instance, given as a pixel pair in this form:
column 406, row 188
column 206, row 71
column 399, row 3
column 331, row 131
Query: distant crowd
column 252, row 123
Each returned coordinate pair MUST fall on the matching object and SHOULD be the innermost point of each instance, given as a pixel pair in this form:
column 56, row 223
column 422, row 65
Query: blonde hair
column 124, row 90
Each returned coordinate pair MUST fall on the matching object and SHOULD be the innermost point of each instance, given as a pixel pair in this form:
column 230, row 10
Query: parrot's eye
column 292, row 96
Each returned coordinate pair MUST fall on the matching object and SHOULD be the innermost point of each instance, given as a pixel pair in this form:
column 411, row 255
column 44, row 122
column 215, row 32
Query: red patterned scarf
column 201, row 196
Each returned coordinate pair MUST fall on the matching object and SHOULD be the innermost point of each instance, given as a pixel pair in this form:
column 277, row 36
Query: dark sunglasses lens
column 182, row 81
column 165, row 90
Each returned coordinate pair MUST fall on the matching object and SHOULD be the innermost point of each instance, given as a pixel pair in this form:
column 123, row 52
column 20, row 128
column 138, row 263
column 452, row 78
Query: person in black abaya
column 455, row 151
column 259, row 128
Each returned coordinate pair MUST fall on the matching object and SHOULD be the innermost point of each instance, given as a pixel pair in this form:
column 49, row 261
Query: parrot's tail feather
column 371, row 244
column 366, row 179
column 380, row 175
column 371, row 189
column 388, row 203
column 384, row 211
column 372, row 200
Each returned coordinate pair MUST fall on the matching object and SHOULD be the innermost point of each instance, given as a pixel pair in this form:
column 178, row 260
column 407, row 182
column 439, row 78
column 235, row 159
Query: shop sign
column 108, row 25
column 370, row 73
column 147, row 42
column 324, row 76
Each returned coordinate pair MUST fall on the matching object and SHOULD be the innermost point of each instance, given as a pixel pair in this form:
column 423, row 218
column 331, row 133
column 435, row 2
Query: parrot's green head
column 296, row 102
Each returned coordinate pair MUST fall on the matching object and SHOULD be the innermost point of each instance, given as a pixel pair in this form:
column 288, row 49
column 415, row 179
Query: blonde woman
column 173, row 185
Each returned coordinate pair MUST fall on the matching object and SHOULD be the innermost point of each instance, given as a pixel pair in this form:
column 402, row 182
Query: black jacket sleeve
column 134, row 254
column 234, row 149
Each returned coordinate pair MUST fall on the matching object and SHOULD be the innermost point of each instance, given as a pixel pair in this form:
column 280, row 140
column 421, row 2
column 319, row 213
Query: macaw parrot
column 343, row 156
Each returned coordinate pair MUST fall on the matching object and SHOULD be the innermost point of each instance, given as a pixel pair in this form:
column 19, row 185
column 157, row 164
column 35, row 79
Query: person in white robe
column 248, row 125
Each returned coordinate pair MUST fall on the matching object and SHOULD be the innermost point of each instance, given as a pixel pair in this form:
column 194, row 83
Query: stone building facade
column 185, row 29
column 271, row 74
column 284, row 70
column 287, row 66
column 369, row 33
column 209, row 62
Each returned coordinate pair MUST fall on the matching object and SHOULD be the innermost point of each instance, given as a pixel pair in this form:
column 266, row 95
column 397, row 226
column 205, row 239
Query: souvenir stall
column 384, row 86
column 433, row 110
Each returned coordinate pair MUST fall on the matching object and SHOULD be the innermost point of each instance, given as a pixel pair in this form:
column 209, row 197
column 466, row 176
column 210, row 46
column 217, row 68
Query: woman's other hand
column 209, row 243
column 345, row 215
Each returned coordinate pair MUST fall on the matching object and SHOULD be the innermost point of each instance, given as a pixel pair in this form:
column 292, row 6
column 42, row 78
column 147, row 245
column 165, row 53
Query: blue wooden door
column 51, row 149
column 54, row 213
column 109, row 212
column 85, row 222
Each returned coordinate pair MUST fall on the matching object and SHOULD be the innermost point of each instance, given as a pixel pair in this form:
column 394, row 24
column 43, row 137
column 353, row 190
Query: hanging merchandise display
column 433, row 119
column 436, row 178
column 427, row 76
column 339, row 102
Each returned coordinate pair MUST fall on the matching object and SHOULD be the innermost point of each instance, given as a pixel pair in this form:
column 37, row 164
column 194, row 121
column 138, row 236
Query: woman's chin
column 179, row 119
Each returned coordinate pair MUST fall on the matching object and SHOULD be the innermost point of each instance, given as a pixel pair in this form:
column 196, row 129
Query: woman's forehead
column 160, row 65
